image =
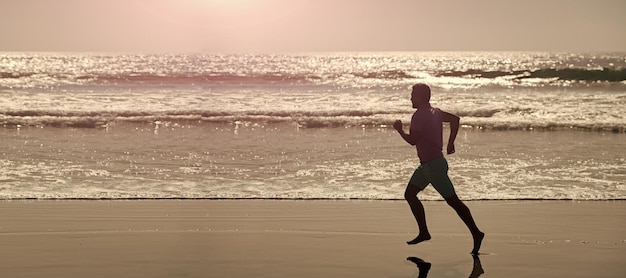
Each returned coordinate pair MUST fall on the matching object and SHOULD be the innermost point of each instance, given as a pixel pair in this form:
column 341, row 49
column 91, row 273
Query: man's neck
column 423, row 105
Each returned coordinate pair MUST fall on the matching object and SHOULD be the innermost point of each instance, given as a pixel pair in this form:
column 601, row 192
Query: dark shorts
column 436, row 173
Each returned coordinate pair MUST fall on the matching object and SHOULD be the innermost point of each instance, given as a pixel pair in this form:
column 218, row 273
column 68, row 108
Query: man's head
column 420, row 94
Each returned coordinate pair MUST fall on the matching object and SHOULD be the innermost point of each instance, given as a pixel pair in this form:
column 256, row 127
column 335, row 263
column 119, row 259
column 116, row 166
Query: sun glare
column 206, row 13
column 224, row 5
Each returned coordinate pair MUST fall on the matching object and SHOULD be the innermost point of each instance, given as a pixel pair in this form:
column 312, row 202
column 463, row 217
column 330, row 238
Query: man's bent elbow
column 451, row 118
column 455, row 119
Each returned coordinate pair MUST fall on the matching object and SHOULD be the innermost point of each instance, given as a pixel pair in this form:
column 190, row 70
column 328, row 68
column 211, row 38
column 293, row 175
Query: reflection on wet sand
column 425, row 266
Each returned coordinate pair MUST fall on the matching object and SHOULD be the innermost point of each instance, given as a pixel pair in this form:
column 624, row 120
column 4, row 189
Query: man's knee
column 454, row 201
column 411, row 192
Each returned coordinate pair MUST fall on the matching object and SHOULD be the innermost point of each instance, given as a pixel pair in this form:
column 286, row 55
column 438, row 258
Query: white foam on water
column 214, row 161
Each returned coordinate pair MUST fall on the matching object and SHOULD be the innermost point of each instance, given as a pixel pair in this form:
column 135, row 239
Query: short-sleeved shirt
column 427, row 120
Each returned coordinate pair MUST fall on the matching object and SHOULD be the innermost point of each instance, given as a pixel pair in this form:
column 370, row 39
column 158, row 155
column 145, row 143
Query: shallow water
column 201, row 160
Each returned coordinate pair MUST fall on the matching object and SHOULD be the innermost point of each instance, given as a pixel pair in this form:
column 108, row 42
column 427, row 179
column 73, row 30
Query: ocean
column 539, row 126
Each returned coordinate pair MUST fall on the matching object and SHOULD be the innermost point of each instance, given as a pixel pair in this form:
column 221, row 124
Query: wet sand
column 273, row 238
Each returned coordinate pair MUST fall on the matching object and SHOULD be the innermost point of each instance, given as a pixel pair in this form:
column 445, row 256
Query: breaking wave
column 476, row 119
column 548, row 75
column 568, row 74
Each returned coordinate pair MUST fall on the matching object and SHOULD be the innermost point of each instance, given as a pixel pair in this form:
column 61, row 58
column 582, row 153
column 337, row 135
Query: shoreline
column 287, row 238
column 153, row 122
column 112, row 199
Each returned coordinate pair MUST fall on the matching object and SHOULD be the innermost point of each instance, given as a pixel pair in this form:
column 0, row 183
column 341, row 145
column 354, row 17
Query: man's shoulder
column 416, row 114
column 428, row 110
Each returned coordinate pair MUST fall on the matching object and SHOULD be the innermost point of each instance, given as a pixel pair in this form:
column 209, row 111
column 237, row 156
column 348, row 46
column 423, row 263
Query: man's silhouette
column 426, row 134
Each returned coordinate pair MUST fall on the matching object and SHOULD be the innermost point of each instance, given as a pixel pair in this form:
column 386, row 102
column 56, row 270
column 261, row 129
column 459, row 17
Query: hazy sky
column 312, row 25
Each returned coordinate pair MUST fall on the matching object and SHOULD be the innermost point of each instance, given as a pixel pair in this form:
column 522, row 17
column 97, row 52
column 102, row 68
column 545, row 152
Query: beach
column 287, row 165
column 306, row 238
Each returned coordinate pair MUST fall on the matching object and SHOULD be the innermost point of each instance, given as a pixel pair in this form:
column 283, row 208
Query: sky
column 274, row 26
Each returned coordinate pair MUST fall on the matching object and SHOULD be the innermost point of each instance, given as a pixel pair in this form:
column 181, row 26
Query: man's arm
column 454, row 129
column 410, row 138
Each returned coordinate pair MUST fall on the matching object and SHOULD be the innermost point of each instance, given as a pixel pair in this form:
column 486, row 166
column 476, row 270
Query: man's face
column 415, row 100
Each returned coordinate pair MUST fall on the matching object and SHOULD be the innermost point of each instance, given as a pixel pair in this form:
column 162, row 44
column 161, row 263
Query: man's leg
column 464, row 213
column 418, row 212
column 438, row 175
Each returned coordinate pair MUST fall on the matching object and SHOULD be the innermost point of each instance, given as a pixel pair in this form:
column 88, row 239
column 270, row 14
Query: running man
column 426, row 134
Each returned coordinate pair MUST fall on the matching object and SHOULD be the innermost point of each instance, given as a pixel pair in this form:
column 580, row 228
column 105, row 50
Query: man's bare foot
column 419, row 239
column 478, row 240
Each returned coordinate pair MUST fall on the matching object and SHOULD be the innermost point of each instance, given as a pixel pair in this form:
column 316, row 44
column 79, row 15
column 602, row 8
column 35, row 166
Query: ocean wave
column 48, row 79
column 160, row 78
column 567, row 74
column 192, row 113
column 15, row 75
column 385, row 74
column 96, row 119
column 481, row 119
column 604, row 74
column 200, row 78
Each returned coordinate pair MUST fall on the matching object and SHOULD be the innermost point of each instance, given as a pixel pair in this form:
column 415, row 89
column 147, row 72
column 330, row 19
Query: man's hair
column 421, row 91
